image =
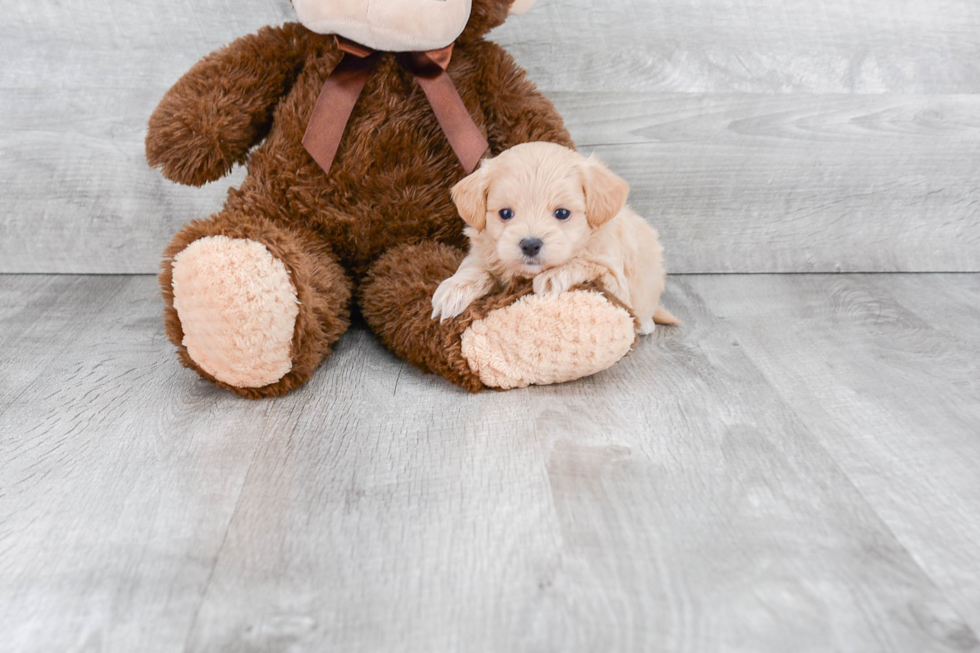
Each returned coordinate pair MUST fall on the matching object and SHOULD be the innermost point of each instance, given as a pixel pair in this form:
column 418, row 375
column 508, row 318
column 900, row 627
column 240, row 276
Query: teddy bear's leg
column 252, row 305
column 510, row 339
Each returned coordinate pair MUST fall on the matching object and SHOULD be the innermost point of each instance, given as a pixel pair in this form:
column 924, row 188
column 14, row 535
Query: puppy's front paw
column 453, row 296
column 547, row 283
column 557, row 280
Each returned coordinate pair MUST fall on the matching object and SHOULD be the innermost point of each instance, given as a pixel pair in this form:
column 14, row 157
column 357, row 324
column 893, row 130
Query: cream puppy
column 544, row 212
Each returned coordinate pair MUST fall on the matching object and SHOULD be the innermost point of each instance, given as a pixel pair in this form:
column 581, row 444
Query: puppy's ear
column 605, row 192
column 470, row 196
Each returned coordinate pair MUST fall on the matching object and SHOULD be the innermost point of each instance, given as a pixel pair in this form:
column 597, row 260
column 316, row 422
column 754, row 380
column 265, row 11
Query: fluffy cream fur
column 237, row 308
column 575, row 208
column 542, row 339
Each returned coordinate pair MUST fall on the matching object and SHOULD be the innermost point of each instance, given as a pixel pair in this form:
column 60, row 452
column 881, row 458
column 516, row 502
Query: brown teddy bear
column 338, row 209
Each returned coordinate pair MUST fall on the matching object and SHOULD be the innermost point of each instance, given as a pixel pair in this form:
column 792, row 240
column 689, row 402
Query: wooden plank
column 735, row 184
column 18, row 310
column 714, row 46
column 749, row 46
column 60, row 33
column 885, row 372
column 80, row 83
column 81, row 198
column 40, row 317
column 948, row 303
column 673, row 502
column 783, row 123
column 118, row 472
column 797, row 184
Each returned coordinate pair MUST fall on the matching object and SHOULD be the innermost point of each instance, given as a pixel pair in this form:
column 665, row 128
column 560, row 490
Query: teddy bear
column 354, row 124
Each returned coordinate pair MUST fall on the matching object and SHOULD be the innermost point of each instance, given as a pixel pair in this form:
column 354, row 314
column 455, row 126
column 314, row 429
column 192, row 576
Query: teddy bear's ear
column 605, row 191
column 520, row 7
column 470, row 196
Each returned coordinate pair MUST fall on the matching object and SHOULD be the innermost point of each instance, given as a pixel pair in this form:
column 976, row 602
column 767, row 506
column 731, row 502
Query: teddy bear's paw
column 237, row 309
column 542, row 339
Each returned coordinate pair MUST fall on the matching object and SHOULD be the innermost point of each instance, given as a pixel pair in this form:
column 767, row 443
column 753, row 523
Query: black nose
column 531, row 246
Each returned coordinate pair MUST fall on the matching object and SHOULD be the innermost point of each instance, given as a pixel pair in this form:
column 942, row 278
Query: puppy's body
column 541, row 211
column 626, row 256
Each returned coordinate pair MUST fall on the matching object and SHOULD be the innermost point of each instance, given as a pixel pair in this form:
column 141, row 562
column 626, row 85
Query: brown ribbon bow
column 343, row 87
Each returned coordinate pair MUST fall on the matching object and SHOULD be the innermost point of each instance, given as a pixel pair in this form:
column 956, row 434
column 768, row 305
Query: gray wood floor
column 797, row 468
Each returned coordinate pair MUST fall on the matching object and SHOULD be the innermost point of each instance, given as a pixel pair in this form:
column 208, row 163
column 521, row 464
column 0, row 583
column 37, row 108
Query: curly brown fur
column 200, row 129
column 389, row 185
column 401, row 284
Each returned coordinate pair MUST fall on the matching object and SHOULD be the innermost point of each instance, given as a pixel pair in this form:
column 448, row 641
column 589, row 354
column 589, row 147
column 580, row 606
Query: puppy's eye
column 562, row 214
column 506, row 214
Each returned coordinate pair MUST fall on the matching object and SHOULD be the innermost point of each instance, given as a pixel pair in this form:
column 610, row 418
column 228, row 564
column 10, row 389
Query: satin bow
column 343, row 87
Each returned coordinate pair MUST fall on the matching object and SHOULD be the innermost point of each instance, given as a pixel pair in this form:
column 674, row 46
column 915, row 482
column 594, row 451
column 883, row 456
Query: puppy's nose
column 531, row 246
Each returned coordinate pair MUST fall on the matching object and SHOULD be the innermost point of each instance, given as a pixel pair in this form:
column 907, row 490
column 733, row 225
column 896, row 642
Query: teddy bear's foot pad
column 543, row 339
column 237, row 309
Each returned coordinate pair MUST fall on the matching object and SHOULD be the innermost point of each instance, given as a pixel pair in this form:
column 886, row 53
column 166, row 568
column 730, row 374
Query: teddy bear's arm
column 215, row 113
column 517, row 111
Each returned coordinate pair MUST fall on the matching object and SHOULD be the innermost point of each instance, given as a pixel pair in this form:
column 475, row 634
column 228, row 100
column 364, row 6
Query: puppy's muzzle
column 531, row 247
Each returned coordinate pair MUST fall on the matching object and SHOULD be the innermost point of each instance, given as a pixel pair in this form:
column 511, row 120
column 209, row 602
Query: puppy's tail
column 663, row 316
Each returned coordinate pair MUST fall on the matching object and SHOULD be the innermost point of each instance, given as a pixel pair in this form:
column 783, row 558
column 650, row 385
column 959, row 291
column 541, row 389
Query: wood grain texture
column 117, row 482
column 798, row 183
column 713, row 46
column 684, row 500
column 749, row 46
column 891, row 387
column 760, row 137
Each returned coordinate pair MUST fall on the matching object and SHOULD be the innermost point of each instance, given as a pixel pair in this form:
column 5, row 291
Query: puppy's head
column 534, row 206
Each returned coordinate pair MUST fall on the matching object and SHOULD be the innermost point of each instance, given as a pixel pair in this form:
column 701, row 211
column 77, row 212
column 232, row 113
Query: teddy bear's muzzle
column 390, row 26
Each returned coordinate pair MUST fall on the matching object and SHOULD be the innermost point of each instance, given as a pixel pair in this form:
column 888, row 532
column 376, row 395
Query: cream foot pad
column 237, row 308
column 542, row 339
